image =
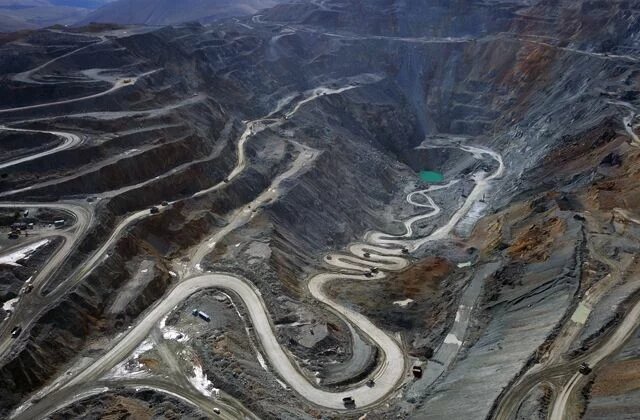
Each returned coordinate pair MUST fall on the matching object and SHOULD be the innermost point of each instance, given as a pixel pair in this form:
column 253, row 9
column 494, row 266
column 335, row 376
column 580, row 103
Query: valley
column 330, row 209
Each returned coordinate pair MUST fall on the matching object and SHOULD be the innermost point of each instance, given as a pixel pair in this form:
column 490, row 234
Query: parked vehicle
column 15, row 332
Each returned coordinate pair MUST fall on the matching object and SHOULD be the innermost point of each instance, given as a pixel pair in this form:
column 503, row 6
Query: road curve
column 382, row 252
column 117, row 85
column 70, row 140
column 83, row 219
column 619, row 337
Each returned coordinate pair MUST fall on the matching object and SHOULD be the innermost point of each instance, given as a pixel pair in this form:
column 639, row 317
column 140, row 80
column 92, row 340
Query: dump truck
column 59, row 223
column 584, row 368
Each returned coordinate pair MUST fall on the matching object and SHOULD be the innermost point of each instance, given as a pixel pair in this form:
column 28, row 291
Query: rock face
column 366, row 94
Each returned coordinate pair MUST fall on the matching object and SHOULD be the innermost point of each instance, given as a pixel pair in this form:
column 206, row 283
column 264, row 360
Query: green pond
column 431, row 176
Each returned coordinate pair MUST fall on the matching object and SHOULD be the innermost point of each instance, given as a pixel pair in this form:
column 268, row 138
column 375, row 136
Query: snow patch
column 262, row 362
column 10, row 304
column 171, row 334
column 403, row 303
column 22, row 254
column 452, row 339
column 202, row 383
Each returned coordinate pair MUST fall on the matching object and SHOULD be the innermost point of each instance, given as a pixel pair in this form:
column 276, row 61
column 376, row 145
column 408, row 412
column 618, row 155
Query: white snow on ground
column 452, row 339
column 126, row 369
column 262, row 362
column 171, row 334
column 8, row 305
column 403, row 303
column 22, row 254
column 202, row 383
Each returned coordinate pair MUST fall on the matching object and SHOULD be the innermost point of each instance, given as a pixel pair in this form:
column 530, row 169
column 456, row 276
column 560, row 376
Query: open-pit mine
column 331, row 209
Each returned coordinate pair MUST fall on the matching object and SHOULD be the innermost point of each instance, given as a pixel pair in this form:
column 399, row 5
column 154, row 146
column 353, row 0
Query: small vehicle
column 154, row 210
column 91, row 199
column 375, row 270
column 226, row 180
column 216, row 410
column 405, row 251
column 371, row 383
column 417, row 372
column 165, row 203
column 28, row 288
column 368, row 275
column 367, row 255
column 15, row 332
column 348, row 402
column 127, row 81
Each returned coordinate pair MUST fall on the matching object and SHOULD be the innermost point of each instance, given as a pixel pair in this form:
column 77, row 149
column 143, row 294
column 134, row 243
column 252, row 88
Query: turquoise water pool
column 431, row 176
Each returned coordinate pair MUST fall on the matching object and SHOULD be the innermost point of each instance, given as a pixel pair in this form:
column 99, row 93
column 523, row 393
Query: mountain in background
column 167, row 12
column 29, row 14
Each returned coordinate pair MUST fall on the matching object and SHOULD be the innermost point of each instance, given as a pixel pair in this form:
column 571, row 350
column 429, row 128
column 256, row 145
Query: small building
column 417, row 372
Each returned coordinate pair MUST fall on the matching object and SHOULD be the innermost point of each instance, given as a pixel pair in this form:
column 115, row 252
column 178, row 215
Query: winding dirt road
column 69, row 141
column 379, row 254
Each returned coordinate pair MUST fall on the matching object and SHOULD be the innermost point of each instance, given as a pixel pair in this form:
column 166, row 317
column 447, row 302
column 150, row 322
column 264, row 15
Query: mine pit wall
column 69, row 325
column 17, row 144
column 93, row 151
column 521, row 306
column 160, row 150
column 125, row 171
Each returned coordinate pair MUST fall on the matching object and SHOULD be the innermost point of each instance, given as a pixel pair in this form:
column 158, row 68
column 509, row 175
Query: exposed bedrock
column 546, row 85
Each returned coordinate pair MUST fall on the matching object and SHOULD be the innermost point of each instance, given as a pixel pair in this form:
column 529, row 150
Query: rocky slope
column 552, row 87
